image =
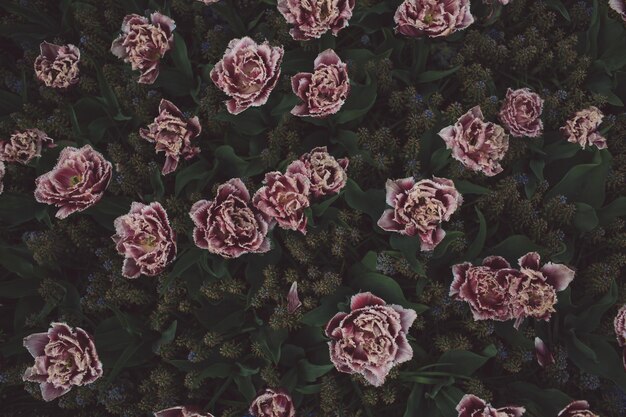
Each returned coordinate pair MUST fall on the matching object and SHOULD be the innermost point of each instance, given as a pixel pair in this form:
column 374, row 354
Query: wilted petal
column 542, row 353
column 293, row 301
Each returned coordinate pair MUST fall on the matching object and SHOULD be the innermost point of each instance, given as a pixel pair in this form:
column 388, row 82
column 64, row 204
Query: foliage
column 213, row 332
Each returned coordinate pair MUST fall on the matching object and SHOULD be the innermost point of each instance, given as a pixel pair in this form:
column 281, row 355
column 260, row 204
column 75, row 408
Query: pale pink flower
column 172, row 133
column 247, row 73
column 229, row 225
column 419, row 208
column 324, row 91
column 577, row 409
column 327, row 174
column 181, row 411
column 521, row 113
column 583, row 128
column 77, row 181
column 145, row 238
column 143, row 43
column 24, row 146
column 478, row 145
column 312, row 18
column 57, row 65
column 284, row 197
column 472, row 406
column 432, row 17
column 534, row 295
column 273, row 403
column 485, row 288
column 207, row 2
column 64, row 357
column 371, row 339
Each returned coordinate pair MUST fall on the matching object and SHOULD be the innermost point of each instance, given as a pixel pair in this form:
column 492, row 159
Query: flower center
column 75, row 179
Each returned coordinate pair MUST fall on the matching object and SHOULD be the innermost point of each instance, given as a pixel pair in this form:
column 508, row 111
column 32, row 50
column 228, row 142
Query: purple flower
column 64, row 357
column 229, row 225
column 419, row 208
column 472, row 406
column 324, row 91
column 207, row 2
column 326, row 174
column 172, row 132
column 77, row 181
column 146, row 240
column 371, row 339
column 143, row 43
column 478, row 145
column 284, row 197
column 521, row 113
column 272, row 403
column 247, row 73
column 182, row 412
column 432, row 17
column 312, row 18
column 583, row 128
column 24, row 146
column 57, row 65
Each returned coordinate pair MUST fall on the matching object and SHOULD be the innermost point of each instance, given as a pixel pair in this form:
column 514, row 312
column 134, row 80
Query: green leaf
column 319, row 209
column 198, row 171
column 270, row 342
column 371, row 202
column 109, row 96
column 216, row 370
column 180, row 57
column 514, row 247
column 463, row 362
column 439, row 159
column 581, row 348
column 613, row 210
column 544, row 402
column 230, row 164
column 589, row 319
column 249, row 122
column 409, row 247
column 585, row 218
column 609, row 367
column 321, row 315
column 359, row 102
column 559, row 7
column 477, row 245
column 157, row 184
column 310, row 372
column 466, row 187
column 442, row 247
column 383, row 286
column 430, row 76
column 166, row 337
column 16, row 209
column 414, row 401
column 245, row 387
